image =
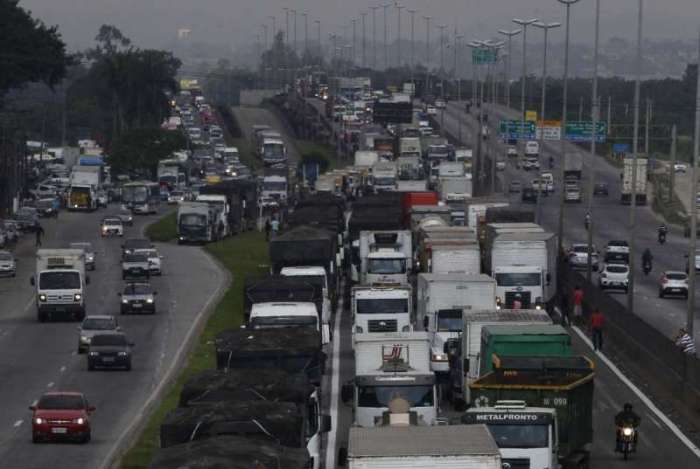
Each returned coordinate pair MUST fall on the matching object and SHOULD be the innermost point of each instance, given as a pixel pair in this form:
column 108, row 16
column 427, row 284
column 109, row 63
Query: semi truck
column 60, row 283
column 381, row 309
column 548, row 400
column 384, row 177
column 386, row 257
column 640, row 188
column 219, row 209
column 389, row 366
column 195, row 223
column 573, row 165
column 275, row 187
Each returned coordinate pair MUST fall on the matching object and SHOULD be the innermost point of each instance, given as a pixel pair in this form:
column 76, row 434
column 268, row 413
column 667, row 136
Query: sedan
column 112, row 226
column 109, row 351
column 154, row 260
column 61, row 415
column 578, row 257
column 8, row 265
column 92, row 325
column 131, row 244
column 138, row 298
column 614, row 276
column 89, row 253
column 601, row 189
column 673, row 283
column 135, row 266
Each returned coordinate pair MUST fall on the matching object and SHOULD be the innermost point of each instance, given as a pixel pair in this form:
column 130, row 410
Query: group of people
column 272, row 227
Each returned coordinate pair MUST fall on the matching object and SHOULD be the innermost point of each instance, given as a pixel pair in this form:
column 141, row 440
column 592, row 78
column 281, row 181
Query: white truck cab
column 275, row 187
column 60, row 283
column 316, row 272
column 274, row 315
column 382, row 309
column 519, row 283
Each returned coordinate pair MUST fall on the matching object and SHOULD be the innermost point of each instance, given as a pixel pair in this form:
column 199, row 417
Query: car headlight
column 77, row 296
column 122, row 354
column 38, row 420
column 125, row 301
column 627, row 431
column 79, row 420
column 94, row 354
column 42, row 297
column 149, row 300
column 438, row 357
column 85, row 340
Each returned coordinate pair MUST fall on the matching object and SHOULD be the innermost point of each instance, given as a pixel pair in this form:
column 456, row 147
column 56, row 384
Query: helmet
column 627, row 407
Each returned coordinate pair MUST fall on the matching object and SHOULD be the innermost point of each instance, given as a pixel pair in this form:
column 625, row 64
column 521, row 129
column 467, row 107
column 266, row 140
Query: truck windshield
column 382, row 306
column 135, row 194
column 59, row 281
column 386, row 266
column 283, row 321
column 275, row 150
column 192, row 219
column 274, row 186
column 518, row 279
column 520, row 436
column 450, row 321
column 384, row 181
column 380, row 396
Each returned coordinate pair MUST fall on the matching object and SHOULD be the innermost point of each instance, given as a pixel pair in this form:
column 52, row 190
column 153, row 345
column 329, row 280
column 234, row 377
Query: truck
column 82, row 197
column 440, row 300
column 640, row 188
column 548, row 400
column 195, row 223
column 455, row 259
column 573, row 165
column 389, row 366
column 289, row 314
column 465, row 350
column 386, row 257
column 381, row 309
column 366, row 158
column 476, row 211
column 275, row 187
column 384, row 176
column 524, row 265
column 454, row 188
column 219, row 209
column 409, row 147
column 404, row 446
column 410, row 168
column 242, row 201
column 273, row 151
column 60, row 283
column 86, row 176
column 450, row 169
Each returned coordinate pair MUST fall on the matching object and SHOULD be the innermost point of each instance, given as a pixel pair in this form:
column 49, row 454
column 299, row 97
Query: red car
column 61, row 415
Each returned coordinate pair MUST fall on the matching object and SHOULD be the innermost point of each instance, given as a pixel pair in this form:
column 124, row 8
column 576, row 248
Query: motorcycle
column 646, row 267
column 627, row 441
column 587, row 222
column 662, row 237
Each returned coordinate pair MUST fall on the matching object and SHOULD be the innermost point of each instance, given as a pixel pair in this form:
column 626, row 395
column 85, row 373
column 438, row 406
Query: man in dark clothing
column 564, row 308
column 626, row 418
column 268, row 227
column 39, row 233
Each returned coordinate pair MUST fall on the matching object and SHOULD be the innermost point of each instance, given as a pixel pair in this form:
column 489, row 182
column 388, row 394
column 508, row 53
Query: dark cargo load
column 383, row 199
column 291, row 349
column 326, row 217
column 321, row 200
column 281, row 288
column 283, row 420
column 230, row 452
column 376, row 219
column 211, row 386
column 509, row 215
column 303, row 246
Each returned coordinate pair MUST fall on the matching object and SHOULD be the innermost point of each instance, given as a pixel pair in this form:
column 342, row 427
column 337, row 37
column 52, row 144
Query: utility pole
column 671, row 168
column 320, row 48
column 595, row 110
column 374, row 36
column 295, row 30
column 609, row 114
column 306, row 33
column 364, row 37
column 523, row 82
column 694, row 217
column 354, row 40
column 386, row 44
column 286, row 26
column 510, row 35
column 413, row 44
column 442, row 27
column 398, row 34
column 635, row 145
column 647, row 120
column 426, row 88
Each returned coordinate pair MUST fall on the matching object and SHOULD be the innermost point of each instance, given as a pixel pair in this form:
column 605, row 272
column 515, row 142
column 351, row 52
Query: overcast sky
column 153, row 23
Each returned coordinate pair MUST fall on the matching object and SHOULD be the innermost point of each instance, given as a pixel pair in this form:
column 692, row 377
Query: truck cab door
column 325, row 333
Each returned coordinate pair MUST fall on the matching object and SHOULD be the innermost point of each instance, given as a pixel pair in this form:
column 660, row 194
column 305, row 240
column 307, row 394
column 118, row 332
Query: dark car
column 600, row 189
column 529, row 195
column 109, row 351
column 61, row 415
column 47, row 207
column 27, row 219
column 138, row 298
column 131, row 244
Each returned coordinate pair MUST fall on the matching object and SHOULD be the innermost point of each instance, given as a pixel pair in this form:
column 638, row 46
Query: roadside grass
column 246, row 150
column 163, row 230
column 243, row 255
column 671, row 210
column 326, row 151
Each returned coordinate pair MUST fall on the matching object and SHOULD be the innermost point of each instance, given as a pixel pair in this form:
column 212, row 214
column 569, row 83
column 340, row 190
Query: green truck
column 533, row 340
column 538, row 409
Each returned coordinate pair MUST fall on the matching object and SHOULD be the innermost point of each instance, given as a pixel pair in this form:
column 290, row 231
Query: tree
column 29, row 50
column 141, row 149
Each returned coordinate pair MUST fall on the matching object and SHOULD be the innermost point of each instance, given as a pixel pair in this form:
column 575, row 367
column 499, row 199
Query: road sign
column 512, row 130
column 582, row 131
column 621, row 148
column 531, row 116
column 392, row 113
column 551, row 128
column 483, row 56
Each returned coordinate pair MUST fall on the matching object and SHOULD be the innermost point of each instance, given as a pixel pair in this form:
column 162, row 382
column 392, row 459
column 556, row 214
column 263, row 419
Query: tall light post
column 294, row 12
column 494, row 47
column 690, row 317
column 477, row 170
column 354, row 40
column 595, row 111
column 427, row 55
column 374, row 36
column 442, row 27
column 398, row 33
column 560, row 231
column 364, row 36
column 286, row 25
column 543, row 107
column 413, row 39
column 274, row 25
column 523, row 87
column 510, row 35
column 386, row 44
column 306, row 33
column 320, row 49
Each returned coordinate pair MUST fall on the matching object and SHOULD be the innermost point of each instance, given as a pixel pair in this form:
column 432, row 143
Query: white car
column 673, row 283
column 93, row 325
column 7, row 264
column 578, row 256
column 614, row 276
column 500, row 165
column 112, row 226
column 572, row 193
column 440, row 104
column 680, row 167
column 512, row 152
column 431, row 110
column 268, row 202
column 154, row 260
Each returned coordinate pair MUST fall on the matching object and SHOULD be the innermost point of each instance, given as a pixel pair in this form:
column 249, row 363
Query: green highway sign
column 511, row 130
column 582, row 131
column 483, row 56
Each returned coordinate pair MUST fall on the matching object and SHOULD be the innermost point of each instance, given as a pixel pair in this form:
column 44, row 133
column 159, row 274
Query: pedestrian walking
column 268, row 227
column 275, row 226
column 564, row 308
column 685, row 342
column 578, row 303
column 597, row 324
column 39, row 234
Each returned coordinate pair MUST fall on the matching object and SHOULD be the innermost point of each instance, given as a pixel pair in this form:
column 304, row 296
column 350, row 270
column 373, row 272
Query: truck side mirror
column 465, row 366
column 425, row 322
column 342, row 457
column 32, row 282
column 326, row 424
column 347, row 393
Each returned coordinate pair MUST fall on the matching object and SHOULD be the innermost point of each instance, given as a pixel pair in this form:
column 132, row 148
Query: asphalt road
column 37, row 357
column 248, row 116
column 657, row 446
column 610, row 220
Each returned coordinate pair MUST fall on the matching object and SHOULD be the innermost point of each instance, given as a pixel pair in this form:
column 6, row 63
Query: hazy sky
column 152, row 23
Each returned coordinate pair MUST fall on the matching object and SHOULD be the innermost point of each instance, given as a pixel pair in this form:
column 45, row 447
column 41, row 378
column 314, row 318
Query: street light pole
column 306, row 33
column 386, row 44
column 354, row 40
column 442, row 27
column 295, row 30
column 364, row 36
column 427, row 55
column 413, row 28
column 523, row 87
column 320, row 49
column 374, row 36
column 560, row 231
column 510, row 35
column 398, row 34
column 543, row 107
column 286, row 26
column 694, row 217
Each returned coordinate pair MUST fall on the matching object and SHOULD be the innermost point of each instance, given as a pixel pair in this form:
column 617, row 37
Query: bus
column 141, row 196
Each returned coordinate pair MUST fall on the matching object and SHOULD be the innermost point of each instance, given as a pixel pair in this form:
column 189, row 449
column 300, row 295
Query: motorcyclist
column 587, row 220
column 626, row 418
column 551, row 162
column 647, row 257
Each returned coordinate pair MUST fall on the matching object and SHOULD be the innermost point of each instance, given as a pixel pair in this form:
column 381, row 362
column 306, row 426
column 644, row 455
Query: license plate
column 60, row 430
column 675, row 290
column 136, row 305
column 108, row 359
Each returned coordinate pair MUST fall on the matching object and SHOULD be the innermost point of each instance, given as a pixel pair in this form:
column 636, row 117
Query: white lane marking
column 30, row 302
column 18, row 423
column 652, row 407
column 63, row 368
column 653, row 420
column 50, row 385
column 335, row 384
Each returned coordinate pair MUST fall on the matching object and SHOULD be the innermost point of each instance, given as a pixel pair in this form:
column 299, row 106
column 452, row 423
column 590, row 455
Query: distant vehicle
column 153, row 260
column 135, row 266
column 440, row 104
column 617, row 245
column 44, row 190
column 91, row 325
column 8, row 266
column 176, row 196
column 132, row 244
column 511, row 152
column 572, row 193
column 601, row 189
column 515, row 187
column 500, row 165
column 673, row 283
column 126, row 217
column 61, row 415
column 614, row 276
column 532, row 148
column 680, row 167
column 47, row 207
column 102, row 198
column 138, row 298
column 528, row 194
column 89, row 253
column 111, row 226
column 111, row 350
column 578, row 256
column 431, row 110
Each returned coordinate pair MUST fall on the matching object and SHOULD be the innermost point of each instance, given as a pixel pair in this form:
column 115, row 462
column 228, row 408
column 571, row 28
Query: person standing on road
column 564, row 308
column 597, row 324
column 275, row 226
column 268, row 227
column 39, row 234
column 578, row 303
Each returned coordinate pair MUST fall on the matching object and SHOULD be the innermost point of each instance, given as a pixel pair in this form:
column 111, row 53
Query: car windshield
column 274, row 186
column 108, row 339
column 670, row 276
column 137, row 244
column 61, row 402
column 112, row 221
column 617, row 269
column 583, row 249
column 382, row 306
column 386, row 266
column 98, row 324
column 150, row 253
column 135, row 258
column 137, row 289
column 5, row 256
column 380, row 396
column 59, row 281
column 450, row 321
column 520, row 436
column 518, row 279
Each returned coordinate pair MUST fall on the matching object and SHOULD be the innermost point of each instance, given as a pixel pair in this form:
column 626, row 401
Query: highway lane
column 610, row 221
column 248, row 116
column 36, row 357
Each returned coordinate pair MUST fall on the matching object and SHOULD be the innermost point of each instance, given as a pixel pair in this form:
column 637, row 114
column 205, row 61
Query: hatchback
column 673, row 283
column 61, row 415
column 614, row 276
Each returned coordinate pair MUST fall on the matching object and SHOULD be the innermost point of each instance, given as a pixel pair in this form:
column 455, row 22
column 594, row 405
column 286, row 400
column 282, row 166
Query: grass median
column 243, row 255
column 163, row 230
